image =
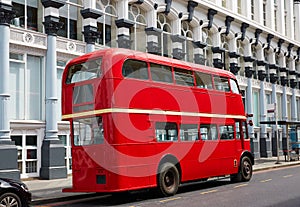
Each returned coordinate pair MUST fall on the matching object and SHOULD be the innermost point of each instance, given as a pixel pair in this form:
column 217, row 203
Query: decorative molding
column 177, row 38
column 268, row 86
column 90, row 13
column 6, row 14
column 210, row 16
column 28, row 38
column 153, row 31
column 52, row 25
column 199, row 44
column 190, row 8
column 53, row 3
column 244, row 27
column 168, row 6
column 91, row 34
column 71, row 46
column 124, row 23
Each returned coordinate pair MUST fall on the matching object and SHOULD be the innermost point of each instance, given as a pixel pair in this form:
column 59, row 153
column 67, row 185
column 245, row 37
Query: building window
column 265, row 13
column 285, row 17
column 60, row 67
column 254, row 55
column 275, row 14
column 27, row 154
column 164, row 40
column 106, row 23
column 71, row 19
column 252, row 9
column 224, row 3
column 240, row 60
column 207, row 38
column 65, row 139
column 188, row 49
column 225, row 45
column 137, row 32
column 239, row 6
column 256, row 108
column 26, row 14
column 266, row 55
column 26, row 87
column 279, row 106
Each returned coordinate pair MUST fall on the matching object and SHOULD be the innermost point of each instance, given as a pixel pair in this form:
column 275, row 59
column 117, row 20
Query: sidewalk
column 45, row 191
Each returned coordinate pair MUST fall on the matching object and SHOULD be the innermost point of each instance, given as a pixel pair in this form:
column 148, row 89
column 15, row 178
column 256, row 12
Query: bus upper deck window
column 135, row 69
column 221, row 83
column 84, row 71
column 234, row 87
column 203, row 80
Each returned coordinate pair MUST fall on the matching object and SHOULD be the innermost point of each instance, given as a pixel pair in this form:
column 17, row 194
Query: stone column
column 90, row 30
column 284, row 118
column 177, row 51
column 265, row 150
column 123, row 24
column 234, row 67
column 8, row 150
column 274, row 133
column 217, row 57
column 53, row 151
column 153, row 33
column 249, row 99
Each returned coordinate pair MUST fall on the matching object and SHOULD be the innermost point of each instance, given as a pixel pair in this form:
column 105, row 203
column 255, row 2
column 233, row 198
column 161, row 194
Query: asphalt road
column 272, row 188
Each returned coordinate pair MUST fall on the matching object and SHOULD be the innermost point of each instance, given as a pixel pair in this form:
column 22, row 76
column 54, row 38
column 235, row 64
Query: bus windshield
column 84, row 71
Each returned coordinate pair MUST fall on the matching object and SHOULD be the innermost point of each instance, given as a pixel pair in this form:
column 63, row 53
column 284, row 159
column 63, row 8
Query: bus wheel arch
column 245, row 169
column 168, row 175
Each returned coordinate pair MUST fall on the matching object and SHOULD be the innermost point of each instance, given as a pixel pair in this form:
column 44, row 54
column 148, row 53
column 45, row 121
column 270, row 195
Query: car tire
column 10, row 199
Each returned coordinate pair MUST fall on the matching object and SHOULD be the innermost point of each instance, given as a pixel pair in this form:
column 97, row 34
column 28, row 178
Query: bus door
column 239, row 136
column 227, row 148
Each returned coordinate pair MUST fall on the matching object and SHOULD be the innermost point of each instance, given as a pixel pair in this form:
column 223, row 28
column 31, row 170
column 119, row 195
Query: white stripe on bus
column 152, row 112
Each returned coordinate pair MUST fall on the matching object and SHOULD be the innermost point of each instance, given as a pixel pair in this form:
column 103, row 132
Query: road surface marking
column 170, row 199
column 264, row 181
column 239, row 186
column 287, row 176
column 207, row 192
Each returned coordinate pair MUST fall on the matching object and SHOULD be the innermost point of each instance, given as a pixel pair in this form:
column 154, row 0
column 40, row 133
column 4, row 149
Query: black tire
column 168, row 179
column 10, row 199
column 245, row 171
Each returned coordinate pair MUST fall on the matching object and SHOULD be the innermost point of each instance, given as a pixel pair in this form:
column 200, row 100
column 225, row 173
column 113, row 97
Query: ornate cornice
column 210, row 16
column 90, row 34
column 53, row 3
column 52, row 25
column 190, row 8
column 90, row 13
column 6, row 14
column 124, row 23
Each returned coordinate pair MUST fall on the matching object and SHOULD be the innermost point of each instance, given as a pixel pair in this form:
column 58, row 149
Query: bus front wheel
column 245, row 171
column 168, row 179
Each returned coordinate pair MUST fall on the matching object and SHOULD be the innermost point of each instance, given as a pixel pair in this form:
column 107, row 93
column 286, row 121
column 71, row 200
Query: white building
column 258, row 40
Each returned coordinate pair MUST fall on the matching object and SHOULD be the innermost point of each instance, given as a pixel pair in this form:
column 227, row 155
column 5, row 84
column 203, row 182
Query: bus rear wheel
column 168, row 179
column 245, row 171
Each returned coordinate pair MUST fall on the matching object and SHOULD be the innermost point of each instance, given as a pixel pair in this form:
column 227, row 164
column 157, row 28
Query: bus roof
column 123, row 54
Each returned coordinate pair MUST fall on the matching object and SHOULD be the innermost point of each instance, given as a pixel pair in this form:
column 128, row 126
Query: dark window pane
column 31, row 140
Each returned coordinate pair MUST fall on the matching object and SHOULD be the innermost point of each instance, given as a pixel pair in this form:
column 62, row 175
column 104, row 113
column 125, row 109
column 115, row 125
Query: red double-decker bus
column 143, row 121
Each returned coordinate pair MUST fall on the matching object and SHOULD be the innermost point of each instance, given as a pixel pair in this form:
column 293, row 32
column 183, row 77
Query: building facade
column 257, row 40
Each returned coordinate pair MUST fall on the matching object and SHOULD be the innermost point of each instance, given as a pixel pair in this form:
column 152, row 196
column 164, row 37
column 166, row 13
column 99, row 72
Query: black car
column 13, row 193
